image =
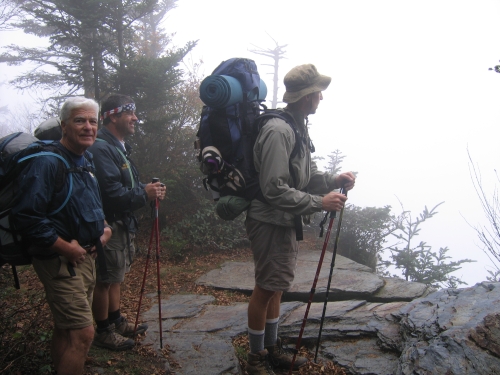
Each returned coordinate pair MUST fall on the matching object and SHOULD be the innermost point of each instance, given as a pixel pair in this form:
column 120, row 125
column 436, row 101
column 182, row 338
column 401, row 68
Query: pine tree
column 335, row 160
column 92, row 44
column 419, row 263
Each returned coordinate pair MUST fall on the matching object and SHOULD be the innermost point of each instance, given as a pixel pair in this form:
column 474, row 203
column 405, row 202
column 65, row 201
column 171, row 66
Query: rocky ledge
column 372, row 325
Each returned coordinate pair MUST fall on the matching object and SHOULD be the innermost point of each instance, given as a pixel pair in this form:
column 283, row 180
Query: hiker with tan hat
column 292, row 186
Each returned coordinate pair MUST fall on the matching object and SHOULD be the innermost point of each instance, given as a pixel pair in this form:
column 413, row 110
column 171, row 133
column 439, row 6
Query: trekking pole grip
column 154, row 180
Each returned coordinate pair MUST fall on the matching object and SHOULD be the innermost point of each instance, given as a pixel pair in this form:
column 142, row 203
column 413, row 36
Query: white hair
column 77, row 103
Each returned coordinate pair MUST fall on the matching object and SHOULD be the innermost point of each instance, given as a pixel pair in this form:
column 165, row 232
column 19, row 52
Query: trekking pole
column 154, row 232
column 148, row 257
column 330, row 276
column 313, row 288
column 157, row 231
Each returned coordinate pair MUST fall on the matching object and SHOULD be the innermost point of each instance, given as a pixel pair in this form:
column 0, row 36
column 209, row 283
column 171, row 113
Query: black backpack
column 16, row 150
column 232, row 95
column 229, row 125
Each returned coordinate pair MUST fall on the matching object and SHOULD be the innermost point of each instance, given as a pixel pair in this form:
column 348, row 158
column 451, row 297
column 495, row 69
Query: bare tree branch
column 489, row 234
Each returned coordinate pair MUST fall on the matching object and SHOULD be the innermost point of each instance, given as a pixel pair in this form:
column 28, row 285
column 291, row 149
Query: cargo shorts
column 275, row 250
column 118, row 254
column 69, row 297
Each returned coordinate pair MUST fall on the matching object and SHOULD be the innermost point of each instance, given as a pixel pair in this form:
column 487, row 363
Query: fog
column 410, row 94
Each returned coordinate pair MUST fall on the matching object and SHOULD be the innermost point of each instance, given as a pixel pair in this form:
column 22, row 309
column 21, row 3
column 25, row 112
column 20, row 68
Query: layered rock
column 350, row 280
column 372, row 325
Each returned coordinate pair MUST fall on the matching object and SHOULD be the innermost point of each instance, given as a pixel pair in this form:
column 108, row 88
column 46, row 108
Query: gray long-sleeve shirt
column 272, row 151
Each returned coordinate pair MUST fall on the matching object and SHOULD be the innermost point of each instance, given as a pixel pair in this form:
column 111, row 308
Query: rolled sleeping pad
column 219, row 91
column 49, row 130
column 262, row 92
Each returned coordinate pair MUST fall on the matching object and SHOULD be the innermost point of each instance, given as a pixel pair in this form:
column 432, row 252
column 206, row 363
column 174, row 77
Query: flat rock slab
column 401, row 290
column 174, row 311
column 195, row 353
column 362, row 356
column 223, row 320
column 238, row 276
column 350, row 280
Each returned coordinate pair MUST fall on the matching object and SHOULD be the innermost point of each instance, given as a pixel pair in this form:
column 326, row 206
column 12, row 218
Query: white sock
column 256, row 340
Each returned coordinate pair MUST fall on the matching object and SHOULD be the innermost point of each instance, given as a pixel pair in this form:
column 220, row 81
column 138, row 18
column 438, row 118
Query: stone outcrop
column 452, row 332
column 350, row 280
column 397, row 328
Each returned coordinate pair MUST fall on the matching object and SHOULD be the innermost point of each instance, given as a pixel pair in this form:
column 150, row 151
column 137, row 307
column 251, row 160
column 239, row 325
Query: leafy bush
column 363, row 233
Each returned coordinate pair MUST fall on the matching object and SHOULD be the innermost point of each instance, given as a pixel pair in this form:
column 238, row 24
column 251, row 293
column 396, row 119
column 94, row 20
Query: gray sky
column 410, row 92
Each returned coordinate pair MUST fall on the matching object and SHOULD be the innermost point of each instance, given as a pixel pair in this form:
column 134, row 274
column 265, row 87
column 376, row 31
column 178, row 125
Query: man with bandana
column 122, row 193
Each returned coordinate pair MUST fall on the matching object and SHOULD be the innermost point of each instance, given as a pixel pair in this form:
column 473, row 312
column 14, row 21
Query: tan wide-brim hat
column 303, row 80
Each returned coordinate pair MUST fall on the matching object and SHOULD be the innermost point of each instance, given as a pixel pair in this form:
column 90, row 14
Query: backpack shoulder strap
column 282, row 115
column 68, row 168
column 125, row 160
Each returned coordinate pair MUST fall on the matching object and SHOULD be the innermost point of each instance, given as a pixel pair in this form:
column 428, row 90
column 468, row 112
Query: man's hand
column 104, row 240
column 333, row 201
column 155, row 190
column 345, row 180
column 70, row 250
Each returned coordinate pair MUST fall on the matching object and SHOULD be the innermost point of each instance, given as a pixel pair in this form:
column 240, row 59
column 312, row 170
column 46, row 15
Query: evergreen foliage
column 94, row 46
column 335, row 159
column 418, row 262
column 364, row 233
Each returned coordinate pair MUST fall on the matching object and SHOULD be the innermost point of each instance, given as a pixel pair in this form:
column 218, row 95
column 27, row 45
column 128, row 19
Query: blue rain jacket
column 82, row 218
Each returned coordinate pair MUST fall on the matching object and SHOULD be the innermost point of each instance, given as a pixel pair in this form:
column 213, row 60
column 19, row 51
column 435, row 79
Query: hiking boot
column 281, row 357
column 258, row 364
column 110, row 339
column 126, row 329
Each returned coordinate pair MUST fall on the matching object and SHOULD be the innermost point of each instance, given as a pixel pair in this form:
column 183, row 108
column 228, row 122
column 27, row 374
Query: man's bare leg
column 100, row 304
column 258, row 307
column 70, row 348
column 114, row 297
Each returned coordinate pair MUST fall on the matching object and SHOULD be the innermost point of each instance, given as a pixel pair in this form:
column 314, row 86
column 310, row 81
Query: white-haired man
column 64, row 243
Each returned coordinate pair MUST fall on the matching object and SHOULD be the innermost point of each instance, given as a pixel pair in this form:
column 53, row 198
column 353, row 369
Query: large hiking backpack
column 229, row 125
column 49, row 130
column 15, row 151
column 233, row 95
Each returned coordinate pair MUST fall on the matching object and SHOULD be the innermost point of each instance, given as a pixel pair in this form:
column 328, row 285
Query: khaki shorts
column 69, row 297
column 275, row 252
column 117, row 255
